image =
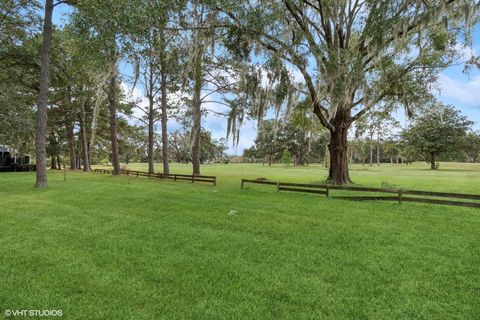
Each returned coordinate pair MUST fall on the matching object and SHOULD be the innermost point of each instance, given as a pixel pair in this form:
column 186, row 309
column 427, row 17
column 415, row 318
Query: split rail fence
column 398, row 195
column 188, row 177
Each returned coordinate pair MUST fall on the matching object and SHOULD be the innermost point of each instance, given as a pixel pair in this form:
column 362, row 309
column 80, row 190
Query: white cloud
column 460, row 92
column 465, row 52
column 463, row 93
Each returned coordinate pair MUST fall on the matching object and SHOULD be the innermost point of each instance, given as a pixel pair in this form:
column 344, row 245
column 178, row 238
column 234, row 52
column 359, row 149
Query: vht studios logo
column 33, row 313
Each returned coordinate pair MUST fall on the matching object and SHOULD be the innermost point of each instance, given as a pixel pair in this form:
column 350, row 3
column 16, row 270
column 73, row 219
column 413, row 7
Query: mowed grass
column 104, row 247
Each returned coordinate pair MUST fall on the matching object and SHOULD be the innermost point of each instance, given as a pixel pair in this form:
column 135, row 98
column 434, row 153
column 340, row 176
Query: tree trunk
column 113, row 119
column 378, row 150
column 432, row 161
column 371, row 149
column 163, row 84
column 86, row 162
column 69, row 130
column 164, row 106
column 338, row 171
column 59, row 163
column 89, row 154
column 83, row 135
column 197, row 110
column 151, row 129
column 40, row 148
column 71, row 144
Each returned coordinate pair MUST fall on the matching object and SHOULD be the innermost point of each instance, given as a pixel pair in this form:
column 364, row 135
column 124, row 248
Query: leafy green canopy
column 440, row 130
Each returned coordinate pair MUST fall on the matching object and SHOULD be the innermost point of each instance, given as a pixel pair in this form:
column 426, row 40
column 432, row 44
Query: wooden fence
column 188, row 177
column 399, row 195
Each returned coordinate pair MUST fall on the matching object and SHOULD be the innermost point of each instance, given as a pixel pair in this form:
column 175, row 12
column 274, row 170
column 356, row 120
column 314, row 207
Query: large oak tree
column 353, row 54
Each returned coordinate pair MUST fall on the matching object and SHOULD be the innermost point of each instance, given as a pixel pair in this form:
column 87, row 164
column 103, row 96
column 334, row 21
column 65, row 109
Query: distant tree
column 286, row 158
column 130, row 142
column 181, row 141
column 391, row 149
column 221, row 146
column 250, row 153
column 267, row 145
column 440, row 130
column 359, row 150
column 471, row 146
column 376, row 125
column 179, row 146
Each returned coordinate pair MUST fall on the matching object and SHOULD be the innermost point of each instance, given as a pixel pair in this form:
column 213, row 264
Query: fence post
column 193, row 178
column 174, row 177
column 328, row 191
column 278, row 186
column 215, row 181
column 241, row 184
column 137, row 174
column 399, row 197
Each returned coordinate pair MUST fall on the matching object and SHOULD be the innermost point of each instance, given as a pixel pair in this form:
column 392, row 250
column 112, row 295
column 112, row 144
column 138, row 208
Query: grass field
column 104, row 247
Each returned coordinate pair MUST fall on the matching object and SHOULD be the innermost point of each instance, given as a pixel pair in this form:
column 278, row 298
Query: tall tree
column 19, row 62
column 107, row 22
column 156, row 55
column 202, row 21
column 203, row 68
column 353, row 54
column 42, row 104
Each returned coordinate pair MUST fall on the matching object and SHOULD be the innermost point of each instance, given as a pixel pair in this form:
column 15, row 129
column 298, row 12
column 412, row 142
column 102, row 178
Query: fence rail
column 399, row 194
column 187, row 177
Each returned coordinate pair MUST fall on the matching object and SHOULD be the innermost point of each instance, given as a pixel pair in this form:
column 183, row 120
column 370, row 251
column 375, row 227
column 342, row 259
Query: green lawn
column 104, row 247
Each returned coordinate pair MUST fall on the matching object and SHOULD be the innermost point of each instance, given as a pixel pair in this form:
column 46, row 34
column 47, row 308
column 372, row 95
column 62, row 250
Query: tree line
column 324, row 64
column 437, row 133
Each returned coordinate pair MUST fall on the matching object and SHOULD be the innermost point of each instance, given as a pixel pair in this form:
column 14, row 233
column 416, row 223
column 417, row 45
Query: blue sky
column 453, row 87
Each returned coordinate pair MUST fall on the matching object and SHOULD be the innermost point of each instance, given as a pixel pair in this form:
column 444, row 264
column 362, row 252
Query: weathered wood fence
column 400, row 195
column 188, row 177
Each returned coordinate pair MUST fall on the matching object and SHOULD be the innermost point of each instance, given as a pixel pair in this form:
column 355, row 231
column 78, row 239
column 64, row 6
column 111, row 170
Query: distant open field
column 103, row 247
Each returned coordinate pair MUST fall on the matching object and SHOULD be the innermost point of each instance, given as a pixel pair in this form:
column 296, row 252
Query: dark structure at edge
column 10, row 161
